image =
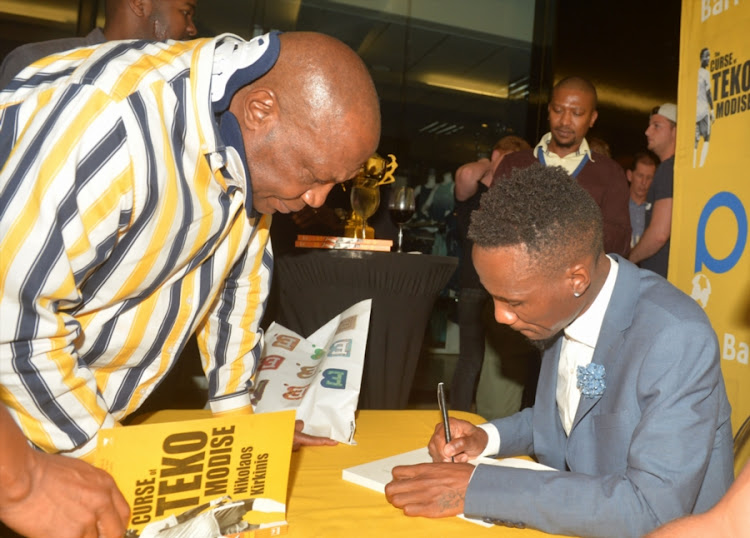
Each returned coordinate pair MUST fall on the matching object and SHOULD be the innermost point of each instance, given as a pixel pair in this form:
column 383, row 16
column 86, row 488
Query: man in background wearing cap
column 652, row 251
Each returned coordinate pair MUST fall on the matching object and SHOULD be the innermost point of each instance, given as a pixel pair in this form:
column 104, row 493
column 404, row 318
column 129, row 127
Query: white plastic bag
column 319, row 376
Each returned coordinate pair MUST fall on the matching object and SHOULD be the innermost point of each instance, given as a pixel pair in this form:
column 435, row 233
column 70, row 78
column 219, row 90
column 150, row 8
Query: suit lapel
column 549, row 436
column 617, row 318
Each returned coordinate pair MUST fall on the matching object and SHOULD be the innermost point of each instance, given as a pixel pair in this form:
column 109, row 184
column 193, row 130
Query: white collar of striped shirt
column 236, row 171
column 585, row 328
column 236, row 63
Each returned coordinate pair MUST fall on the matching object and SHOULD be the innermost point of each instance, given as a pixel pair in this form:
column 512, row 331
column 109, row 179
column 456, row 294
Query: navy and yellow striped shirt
column 123, row 230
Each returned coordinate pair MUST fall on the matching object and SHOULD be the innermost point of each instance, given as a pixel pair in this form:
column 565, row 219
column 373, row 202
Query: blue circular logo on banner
column 702, row 256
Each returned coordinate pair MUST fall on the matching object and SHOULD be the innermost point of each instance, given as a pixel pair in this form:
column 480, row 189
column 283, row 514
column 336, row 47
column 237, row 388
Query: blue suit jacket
column 655, row 446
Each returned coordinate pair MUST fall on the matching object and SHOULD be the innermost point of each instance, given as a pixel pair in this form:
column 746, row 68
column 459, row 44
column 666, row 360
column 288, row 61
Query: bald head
column 323, row 83
column 307, row 124
column 579, row 84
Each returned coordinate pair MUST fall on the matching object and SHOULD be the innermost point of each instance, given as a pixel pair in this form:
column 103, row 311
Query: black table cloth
column 316, row 285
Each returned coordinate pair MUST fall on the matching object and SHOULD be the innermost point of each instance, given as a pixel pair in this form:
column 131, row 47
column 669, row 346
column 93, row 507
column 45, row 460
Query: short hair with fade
column 544, row 209
column 510, row 143
column 645, row 157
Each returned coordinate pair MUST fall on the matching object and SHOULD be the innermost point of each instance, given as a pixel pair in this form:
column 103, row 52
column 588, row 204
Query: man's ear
column 579, row 279
column 594, row 115
column 141, row 8
column 629, row 175
column 260, row 108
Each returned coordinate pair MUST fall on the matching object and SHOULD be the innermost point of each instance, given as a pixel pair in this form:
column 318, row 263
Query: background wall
column 454, row 76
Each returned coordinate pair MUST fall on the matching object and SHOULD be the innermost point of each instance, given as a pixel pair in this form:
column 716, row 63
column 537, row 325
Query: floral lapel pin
column 591, row 380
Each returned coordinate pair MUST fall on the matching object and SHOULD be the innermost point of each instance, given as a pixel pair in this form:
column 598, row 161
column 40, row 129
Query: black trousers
column 471, row 332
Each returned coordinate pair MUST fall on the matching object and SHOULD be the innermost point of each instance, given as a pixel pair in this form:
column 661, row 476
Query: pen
column 444, row 410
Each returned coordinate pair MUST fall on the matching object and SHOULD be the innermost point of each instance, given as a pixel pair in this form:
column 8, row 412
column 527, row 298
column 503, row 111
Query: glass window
column 452, row 75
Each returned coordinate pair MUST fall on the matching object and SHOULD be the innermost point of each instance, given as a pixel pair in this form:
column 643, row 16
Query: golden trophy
column 365, row 195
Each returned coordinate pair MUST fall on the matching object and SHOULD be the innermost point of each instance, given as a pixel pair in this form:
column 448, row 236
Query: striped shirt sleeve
column 65, row 196
column 231, row 339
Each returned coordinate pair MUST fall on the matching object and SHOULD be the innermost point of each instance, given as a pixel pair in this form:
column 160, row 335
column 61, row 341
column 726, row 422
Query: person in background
column 124, row 19
column 599, row 145
column 704, row 113
column 472, row 180
column 137, row 183
column 572, row 112
column 652, row 251
column 423, row 192
column 631, row 412
column 730, row 518
column 640, row 175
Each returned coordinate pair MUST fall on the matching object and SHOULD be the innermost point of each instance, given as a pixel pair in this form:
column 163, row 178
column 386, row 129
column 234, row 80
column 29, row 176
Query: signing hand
column 467, row 443
column 65, row 497
column 303, row 439
column 429, row 489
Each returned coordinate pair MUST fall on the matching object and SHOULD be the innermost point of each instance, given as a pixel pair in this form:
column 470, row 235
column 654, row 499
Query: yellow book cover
column 213, row 477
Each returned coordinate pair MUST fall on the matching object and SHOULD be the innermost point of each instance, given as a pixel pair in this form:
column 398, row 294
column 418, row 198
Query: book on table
column 212, row 477
column 376, row 474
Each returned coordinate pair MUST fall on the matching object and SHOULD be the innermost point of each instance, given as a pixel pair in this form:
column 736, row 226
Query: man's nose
column 504, row 315
column 316, row 196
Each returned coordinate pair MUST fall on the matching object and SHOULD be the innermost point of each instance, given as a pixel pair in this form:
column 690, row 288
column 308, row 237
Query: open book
column 376, row 474
column 213, row 477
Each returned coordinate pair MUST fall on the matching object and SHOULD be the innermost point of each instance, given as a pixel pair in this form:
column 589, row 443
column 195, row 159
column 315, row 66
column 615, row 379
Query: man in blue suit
column 631, row 409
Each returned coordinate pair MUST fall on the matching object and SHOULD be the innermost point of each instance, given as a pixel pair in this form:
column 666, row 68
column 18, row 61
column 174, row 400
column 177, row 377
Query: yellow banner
column 710, row 255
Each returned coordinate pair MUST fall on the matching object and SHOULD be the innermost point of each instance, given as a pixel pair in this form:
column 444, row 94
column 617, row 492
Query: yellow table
column 322, row 504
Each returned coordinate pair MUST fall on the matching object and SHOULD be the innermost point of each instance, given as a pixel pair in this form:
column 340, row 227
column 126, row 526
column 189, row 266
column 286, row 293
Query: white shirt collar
column 585, row 328
column 582, row 150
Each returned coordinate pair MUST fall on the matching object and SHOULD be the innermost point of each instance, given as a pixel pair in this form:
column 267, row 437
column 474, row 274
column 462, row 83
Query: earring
column 576, row 294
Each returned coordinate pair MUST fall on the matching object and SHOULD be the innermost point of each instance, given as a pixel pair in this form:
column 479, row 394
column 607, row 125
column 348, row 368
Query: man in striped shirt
column 137, row 180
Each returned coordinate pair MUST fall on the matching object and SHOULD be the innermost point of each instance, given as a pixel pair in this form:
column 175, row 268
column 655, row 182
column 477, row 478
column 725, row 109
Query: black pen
column 444, row 410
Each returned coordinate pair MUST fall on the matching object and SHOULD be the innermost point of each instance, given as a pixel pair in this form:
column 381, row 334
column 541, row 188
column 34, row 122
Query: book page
column 376, row 474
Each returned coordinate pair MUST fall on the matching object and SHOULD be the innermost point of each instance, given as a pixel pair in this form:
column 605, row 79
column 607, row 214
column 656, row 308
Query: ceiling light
column 463, row 84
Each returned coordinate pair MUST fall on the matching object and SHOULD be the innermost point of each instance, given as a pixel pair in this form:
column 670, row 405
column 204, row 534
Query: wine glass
column 365, row 200
column 401, row 206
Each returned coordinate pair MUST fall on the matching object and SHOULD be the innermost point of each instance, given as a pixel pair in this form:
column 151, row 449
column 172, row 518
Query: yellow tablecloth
column 322, row 504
